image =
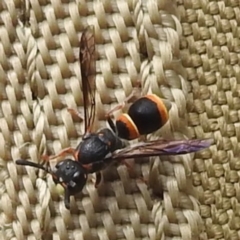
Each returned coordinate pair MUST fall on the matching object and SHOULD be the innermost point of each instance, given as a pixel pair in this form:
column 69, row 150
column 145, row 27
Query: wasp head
column 69, row 173
column 72, row 176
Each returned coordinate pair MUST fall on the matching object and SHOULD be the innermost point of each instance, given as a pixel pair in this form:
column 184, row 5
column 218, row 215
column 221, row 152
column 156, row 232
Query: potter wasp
column 99, row 149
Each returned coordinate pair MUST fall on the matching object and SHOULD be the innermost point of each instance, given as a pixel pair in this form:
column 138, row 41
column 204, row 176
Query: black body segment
column 96, row 146
column 70, row 174
column 125, row 129
column 146, row 115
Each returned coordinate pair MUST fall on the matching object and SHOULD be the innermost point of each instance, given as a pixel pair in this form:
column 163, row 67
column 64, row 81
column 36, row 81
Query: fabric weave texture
column 186, row 52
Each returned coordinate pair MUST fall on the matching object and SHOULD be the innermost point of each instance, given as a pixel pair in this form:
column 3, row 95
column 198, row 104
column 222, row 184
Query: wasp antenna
column 31, row 164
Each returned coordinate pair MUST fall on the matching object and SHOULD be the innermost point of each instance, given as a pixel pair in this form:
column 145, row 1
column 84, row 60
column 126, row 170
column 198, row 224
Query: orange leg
column 131, row 170
column 64, row 152
column 98, row 179
column 74, row 112
column 142, row 179
column 121, row 105
column 118, row 107
column 129, row 167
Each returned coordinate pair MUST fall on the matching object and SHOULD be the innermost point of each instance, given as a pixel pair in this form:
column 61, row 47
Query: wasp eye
column 76, row 175
column 59, row 164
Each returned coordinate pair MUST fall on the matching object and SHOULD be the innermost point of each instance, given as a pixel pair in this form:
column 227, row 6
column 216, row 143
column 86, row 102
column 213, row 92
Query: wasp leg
column 64, row 152
column 143, row 180
column 74, row 112
column 129, row 167
column 118, row 107
column 111, row 124
column 121, row 105
column 142, row 138
column 95, row 166
column 131, row 172
column 98, row 179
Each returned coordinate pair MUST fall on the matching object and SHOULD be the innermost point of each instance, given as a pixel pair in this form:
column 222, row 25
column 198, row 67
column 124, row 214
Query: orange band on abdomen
column 129, row 124
column 161, row 107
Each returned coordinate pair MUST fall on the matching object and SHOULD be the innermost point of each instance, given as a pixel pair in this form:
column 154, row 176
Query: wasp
column 99, row 149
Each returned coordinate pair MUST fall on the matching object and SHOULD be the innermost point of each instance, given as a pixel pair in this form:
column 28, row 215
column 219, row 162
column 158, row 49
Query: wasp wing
column 161, row 147
column 88, row 72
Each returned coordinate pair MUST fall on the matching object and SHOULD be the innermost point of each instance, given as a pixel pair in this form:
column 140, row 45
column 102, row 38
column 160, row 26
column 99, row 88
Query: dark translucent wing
column 161, row 147
column 88, row 71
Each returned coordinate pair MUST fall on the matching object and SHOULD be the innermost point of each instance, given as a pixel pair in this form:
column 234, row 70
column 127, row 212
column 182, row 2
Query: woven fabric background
column 184, row 51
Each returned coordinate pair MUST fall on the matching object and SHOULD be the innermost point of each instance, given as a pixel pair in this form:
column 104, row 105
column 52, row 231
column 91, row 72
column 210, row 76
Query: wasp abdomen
column 145, row 115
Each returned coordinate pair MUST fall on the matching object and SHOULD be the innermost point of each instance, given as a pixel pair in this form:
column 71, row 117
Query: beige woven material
column 186, row 52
